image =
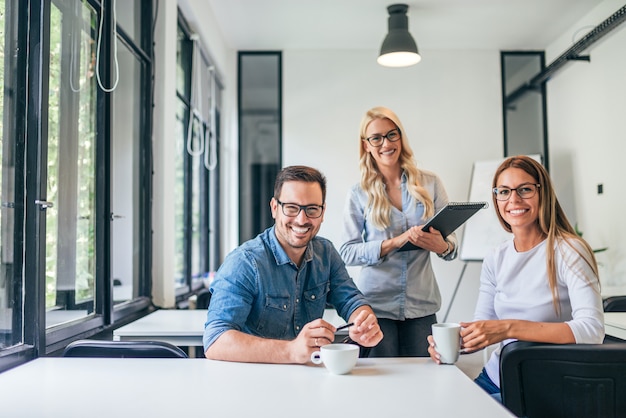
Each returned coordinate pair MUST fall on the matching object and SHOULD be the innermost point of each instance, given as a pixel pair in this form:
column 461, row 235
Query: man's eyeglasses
column 525, row 191
column 292, row 210
column 377, row 140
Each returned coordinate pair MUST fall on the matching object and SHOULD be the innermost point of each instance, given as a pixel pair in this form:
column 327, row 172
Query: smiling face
column 389, row 153
column 517, row 212
column 294, row 233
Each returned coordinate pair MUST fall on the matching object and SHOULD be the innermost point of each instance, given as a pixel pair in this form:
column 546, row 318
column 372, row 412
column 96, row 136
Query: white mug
column 447, row 341
column 338, row 358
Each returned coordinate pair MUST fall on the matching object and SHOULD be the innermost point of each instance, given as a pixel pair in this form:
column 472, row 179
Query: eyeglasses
column 292, row 210
column 377, row 140
column 525, row 191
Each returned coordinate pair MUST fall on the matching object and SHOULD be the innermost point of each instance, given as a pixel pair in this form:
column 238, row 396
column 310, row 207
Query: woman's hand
column 431, row 240
column 394, row 243
column 431, row 350
column 480, row 334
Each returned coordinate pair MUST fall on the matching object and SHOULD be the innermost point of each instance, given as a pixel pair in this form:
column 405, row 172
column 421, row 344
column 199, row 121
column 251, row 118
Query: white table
column 181, row 327
column 96, row 387
column 615, row 324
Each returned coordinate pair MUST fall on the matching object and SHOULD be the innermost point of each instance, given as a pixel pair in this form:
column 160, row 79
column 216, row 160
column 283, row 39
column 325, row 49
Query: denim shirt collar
column 280, row 255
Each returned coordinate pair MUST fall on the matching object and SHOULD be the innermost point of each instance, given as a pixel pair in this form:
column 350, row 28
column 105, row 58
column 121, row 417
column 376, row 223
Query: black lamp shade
column 399, row 48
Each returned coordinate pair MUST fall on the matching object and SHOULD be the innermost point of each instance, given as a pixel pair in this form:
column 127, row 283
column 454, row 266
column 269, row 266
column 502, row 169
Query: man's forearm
column 238, row 346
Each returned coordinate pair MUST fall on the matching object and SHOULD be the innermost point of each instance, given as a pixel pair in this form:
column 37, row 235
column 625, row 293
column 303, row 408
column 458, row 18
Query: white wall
column 449, row 104
column 163, row 179
column 586, row 111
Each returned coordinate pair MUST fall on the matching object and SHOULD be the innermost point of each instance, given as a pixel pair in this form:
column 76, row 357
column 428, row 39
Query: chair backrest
column 564, row 380
column 614, row 304
column 123, row 349
column 203, row 299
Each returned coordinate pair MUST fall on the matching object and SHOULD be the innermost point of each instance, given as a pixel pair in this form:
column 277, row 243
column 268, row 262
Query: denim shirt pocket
column 275, row 318
column 315, row 299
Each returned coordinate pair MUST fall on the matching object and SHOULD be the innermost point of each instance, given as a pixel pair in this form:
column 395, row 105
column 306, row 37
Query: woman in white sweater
column 543, row 285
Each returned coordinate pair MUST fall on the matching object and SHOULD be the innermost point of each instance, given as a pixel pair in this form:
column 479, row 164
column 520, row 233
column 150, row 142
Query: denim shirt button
column 297, row 327
column 284, row 306
column 297, row 300
column 313, row 297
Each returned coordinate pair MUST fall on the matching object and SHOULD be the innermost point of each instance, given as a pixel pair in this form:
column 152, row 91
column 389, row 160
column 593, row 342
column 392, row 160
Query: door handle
column 43, row 205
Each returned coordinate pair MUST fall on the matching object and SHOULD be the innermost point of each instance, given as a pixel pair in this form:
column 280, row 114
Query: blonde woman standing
column 383, row 212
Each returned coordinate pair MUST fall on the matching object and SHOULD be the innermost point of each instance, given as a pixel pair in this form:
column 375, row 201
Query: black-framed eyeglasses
column 391, row 136
column 525, row 191
column 292, row 210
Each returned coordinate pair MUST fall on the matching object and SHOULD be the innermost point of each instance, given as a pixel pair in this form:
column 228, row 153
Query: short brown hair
column 300, row 173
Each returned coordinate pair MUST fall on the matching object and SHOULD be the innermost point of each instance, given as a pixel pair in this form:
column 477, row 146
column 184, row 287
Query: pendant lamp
column 399, row 48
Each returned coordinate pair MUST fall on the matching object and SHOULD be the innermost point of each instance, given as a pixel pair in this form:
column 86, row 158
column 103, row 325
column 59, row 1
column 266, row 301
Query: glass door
column 69, row 152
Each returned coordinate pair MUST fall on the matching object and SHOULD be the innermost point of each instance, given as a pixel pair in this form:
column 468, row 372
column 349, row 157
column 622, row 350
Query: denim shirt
column 400, row 285
column 260, row 291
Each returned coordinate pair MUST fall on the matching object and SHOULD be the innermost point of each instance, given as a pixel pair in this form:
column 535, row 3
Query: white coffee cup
column 338, row 358
column 447, row 341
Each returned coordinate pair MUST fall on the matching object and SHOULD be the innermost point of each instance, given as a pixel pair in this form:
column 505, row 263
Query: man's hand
column 365, row 330
column 313, row 335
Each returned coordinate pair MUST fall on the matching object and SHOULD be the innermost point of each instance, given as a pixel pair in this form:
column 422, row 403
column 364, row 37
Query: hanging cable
column 117, row 67
column 196, row 96
column 210, row 155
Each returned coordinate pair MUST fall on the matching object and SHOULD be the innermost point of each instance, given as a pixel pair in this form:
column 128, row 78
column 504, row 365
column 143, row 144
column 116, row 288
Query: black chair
column 203, row 298
column 563, row 380
column 614, row 304
column 123, row 349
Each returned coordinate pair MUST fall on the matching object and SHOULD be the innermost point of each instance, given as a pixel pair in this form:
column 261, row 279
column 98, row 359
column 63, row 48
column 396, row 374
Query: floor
column 471, row 364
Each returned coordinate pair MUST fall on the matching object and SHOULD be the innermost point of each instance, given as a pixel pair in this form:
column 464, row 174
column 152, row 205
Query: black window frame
column 509, row 99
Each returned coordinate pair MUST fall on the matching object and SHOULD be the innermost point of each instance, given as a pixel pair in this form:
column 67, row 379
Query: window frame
column 509, row 99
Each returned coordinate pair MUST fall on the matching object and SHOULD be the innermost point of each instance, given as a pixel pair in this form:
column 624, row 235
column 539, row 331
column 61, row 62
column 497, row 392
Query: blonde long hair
column 552, row 220
column 372, row 181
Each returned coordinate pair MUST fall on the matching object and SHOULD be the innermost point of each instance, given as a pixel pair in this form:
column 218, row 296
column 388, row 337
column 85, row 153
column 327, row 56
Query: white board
column 483, row 232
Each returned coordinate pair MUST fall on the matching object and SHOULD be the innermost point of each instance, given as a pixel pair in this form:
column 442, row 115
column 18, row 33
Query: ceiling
column 362, row 24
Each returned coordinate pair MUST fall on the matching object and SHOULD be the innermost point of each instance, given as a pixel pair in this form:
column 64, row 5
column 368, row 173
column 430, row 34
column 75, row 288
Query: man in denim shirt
column 270, row 293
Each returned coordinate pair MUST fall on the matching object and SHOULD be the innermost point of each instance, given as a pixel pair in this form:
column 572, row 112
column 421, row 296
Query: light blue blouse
column 400, row 285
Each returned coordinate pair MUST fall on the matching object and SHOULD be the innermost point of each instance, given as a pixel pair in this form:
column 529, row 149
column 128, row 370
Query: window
column 524, row 109
column 75, row 178
column 197, row 165
column 11, row 187
column 129, row 177
column 260, row 133
column 70, row 245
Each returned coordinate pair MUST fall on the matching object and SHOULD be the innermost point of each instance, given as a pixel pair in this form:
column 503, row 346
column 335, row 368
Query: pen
column 345, row 326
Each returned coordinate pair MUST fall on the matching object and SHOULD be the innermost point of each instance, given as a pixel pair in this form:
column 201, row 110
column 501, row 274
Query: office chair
column 123, row 349
column 563, row 380
column 203, row 298
column 614, row 304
